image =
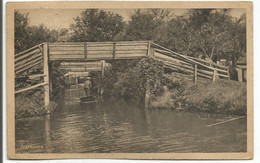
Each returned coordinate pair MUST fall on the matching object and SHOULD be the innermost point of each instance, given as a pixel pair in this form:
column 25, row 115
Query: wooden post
column 102, row 73
column 195, row 73
column 114, row 50
column 85, row 51
column 46, row 76
column 147, row 96
column 76, row 79
column 148, row 49
column 103, row 67
column 228, row 74
column 214, row 75
column 51, row 78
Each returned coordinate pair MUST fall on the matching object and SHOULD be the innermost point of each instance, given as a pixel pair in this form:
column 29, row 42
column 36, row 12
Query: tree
column 208, row 33
column 96, row 25
column 149, row 24
column 20, row 31
column 28, row 36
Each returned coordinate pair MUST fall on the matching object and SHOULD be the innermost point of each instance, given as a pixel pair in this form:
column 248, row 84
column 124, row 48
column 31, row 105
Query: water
column 118, row 125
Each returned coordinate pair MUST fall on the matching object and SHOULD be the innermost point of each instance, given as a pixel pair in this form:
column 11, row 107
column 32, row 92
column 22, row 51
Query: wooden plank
column 27, row 67
column 131, row 52
column 66, row 48
column 80, row 63
column 100, row 52
column 81, row 66
column 214, row 75
column 46, row 77
column 28, row 50
column 67, row 53
column 179, row 68
column 130, row 55
column 100, row 56
column 195, row 73
column 28, row 63
column 183, row 57
column 226, row 76
column 225, row 121
column 206, row 72
column 68, row 57
column 179, row 64
column 82, row 69
column 148, row 49
column 66, row 44
column 85, row 51
column 39, row 55
column 211, row 63
column 114, row 50
column 27, row 55
column 108, row 48
column 29, row 88
column 138, row 47
column 225, row 71
column 168, row 58
column 204, row 75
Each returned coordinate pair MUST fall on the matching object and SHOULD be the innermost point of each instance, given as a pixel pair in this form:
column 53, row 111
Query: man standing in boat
column 87, row 86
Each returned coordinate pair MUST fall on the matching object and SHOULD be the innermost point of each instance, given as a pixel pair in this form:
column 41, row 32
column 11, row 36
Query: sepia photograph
column 130, row 80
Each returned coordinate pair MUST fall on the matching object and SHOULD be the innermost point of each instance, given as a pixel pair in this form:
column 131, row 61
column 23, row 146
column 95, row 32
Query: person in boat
column 87, row 86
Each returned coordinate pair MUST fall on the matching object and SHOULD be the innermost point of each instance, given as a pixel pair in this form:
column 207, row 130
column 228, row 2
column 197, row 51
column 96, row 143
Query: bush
column 221, row 97
column 31, row 104
column 131, row 78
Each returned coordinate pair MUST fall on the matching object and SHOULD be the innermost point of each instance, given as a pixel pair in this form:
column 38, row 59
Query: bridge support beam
column 214, row 75
column 100, row 88
column 147, row 96
column 195, row 73
column 46, row 77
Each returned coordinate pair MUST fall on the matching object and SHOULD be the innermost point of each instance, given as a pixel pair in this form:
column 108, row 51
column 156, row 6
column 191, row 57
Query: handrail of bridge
column 29, row 58
column 202, row 68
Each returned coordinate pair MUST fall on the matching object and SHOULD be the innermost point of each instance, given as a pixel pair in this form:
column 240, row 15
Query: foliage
column 131, row 78
column 31, row 104
column 204, row 33
column 147, row 24
column 175, row 94
column 27, row 36
column 96, row 25
column 209, row 33
column 221, row 97
column 58, row 80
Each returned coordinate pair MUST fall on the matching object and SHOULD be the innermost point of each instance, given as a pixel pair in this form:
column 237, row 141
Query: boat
column 88, row 100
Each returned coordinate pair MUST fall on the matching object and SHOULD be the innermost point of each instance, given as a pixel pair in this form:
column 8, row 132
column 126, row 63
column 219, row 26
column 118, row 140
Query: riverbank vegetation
column 31, row 104
column 220, row 97
column 130, row 78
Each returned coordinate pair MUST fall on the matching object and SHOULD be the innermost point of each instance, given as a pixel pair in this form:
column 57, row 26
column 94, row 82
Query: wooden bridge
column 91, row 56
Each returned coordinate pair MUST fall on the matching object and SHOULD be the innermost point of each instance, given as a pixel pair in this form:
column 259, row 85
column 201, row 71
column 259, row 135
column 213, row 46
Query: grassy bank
column 220, row 97
column 31, row 104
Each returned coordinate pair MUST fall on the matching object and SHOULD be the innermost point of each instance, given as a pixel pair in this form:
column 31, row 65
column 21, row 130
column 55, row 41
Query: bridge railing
column 189, row 65
column 88, row 51
column 27, row 60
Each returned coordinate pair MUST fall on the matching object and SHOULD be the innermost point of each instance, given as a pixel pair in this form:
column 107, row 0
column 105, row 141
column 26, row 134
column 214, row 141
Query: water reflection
column 119, row 125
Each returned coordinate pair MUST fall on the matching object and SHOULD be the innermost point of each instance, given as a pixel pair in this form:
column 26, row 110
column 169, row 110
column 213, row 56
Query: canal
column 118, row 125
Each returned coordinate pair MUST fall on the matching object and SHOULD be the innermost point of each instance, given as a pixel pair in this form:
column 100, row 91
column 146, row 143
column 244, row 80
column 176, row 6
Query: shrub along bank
column 31, row 104
column 220, row 97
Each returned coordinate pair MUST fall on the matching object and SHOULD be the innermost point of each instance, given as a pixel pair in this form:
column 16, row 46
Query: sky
column 62, row 18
